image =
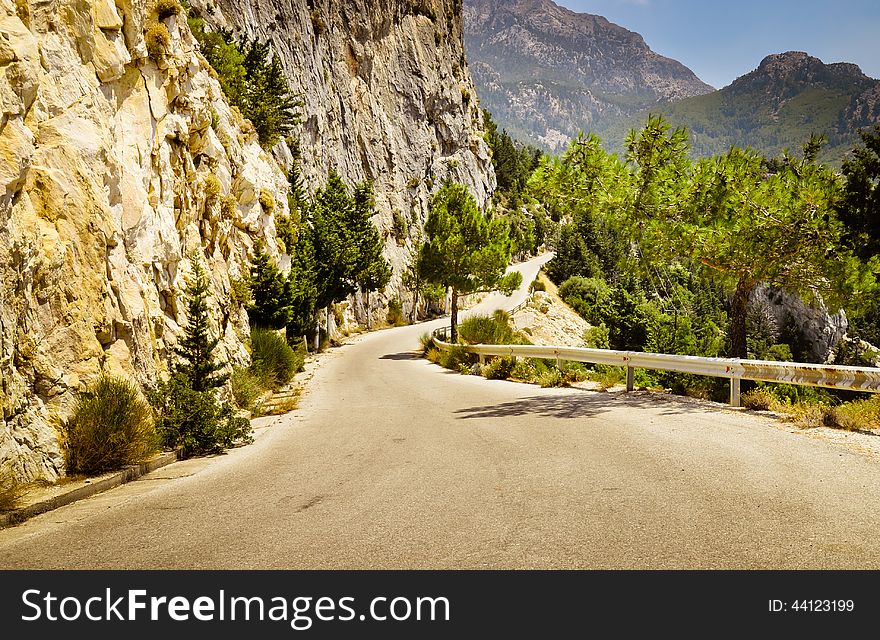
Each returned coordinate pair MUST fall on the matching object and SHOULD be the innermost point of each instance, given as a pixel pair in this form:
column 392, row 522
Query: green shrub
column 395, row 315
column 493, row 329
column 111, row 426
column 272, row 358
column 166, row 8
column 860, row 415
column 194, row 422
column 399, row 227
column 538, row 285
column 552, row 378
column 318, row 23
column 456, row 356
column 432, row 354
column 157, row 40
column 247, row 387
column 499, row 368
column 574, row 372
column 213, row 188
column 524, row 370
column 267, row 200
column 597, row 337
column 758, row 399
column 11, row 491
column 427, row 342
column 608, row 376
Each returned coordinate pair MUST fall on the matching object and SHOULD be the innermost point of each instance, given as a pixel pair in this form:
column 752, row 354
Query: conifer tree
column 464, row 251
column 270, row 291
column 196, row 348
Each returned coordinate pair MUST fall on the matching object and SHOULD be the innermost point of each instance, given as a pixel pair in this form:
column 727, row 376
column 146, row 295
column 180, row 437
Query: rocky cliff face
column 116, row 169
column 119, row 165
column 547, row 72
column 387, row 97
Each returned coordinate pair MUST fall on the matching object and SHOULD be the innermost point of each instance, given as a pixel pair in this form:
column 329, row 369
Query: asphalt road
column 392, row 462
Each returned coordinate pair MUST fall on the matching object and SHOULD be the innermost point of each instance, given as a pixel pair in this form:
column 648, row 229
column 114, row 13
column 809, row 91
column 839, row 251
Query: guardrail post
column 630, row 379
column 482, row 359
column 734, row 392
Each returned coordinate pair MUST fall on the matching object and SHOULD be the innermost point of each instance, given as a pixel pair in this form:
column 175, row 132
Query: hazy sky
column 721, row 40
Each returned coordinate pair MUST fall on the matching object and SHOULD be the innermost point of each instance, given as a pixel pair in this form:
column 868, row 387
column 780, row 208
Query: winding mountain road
column 392, row 462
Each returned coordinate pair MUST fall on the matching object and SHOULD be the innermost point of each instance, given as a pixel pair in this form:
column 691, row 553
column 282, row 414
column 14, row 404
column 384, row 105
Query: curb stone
column 128, row 474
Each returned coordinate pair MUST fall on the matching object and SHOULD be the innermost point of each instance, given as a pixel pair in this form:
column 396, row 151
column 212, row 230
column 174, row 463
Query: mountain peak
column 798, row 63
column 547, row 72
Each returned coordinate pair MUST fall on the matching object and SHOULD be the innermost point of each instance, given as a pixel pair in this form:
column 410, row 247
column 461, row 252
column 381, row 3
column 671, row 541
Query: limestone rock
column 387, row 97
column 101, row 209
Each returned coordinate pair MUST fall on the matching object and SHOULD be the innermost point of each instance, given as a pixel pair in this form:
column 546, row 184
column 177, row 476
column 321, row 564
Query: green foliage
column 499, row 368
column 253, row 81
column 395, row 312
column 157, row 40
column 513, row 161
column 494, row 329
column 347, row 246
column 399, row 227
column 758, row 400
column 271, row 293
column 213, row 188
column 111, row 426
column 859, row 209
column 187, row 413
column 240, row 293
column 538, row 285
column 164, row 9
column 194, row 422
column 426, row 342
column 318, row 24
column 272, row 359
column 861, row 415
column 247, row 387
column 464, row 250
column 196, row 348
column 597, row 337
column 455, row 358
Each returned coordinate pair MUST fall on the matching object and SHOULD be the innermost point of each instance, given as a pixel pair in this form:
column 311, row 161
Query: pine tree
column 372, row 270
column 303, row 286
column 271, row 293
column 196, row 349
column 464, row 250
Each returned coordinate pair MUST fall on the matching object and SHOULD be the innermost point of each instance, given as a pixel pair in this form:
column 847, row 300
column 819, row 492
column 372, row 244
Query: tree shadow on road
column 408, row 355
column 579, row 404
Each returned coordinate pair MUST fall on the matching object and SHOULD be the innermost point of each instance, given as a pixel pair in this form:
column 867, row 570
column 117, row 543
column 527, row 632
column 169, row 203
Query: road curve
column 392, row 462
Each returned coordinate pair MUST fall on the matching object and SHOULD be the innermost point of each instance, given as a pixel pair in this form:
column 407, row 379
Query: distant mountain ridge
column 778, row 105
column 546, row 72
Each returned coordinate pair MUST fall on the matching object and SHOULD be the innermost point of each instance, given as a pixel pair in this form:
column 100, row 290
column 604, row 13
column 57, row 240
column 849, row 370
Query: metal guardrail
column 828, row 376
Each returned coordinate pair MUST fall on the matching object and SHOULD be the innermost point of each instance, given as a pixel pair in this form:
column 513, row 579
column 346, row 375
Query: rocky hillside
column 546, row 72
column 779, row 104
column 388, row 96
column 119, row 165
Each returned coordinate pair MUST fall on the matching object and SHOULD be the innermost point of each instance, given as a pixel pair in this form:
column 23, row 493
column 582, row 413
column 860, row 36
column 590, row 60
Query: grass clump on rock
column 111, row 427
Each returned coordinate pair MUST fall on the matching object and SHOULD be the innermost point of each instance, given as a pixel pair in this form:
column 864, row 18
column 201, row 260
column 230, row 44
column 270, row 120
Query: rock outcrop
column 387, row 97
column 117, row 168
column 814, row 330
column 121, row 162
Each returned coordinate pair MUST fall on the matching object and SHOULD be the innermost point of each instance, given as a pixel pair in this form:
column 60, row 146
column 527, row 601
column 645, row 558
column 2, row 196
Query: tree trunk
column 454, row 315
column 414, row 313
column 739, row 308
column 317, row 331
column 327, row 317
column 369, row 313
